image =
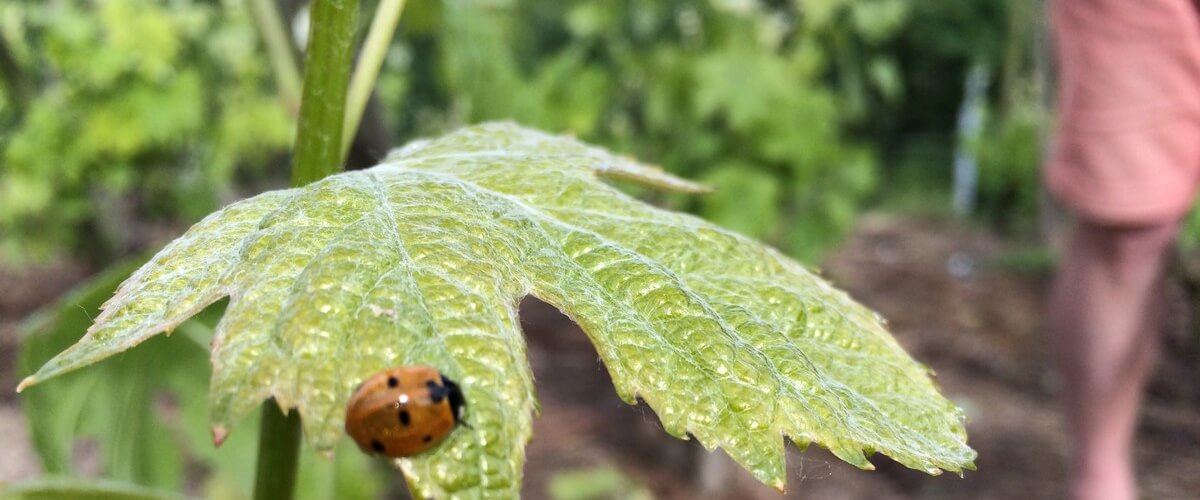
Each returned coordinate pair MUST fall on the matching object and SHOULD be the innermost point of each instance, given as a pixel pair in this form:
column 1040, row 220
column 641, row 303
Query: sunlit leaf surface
column 423, row 259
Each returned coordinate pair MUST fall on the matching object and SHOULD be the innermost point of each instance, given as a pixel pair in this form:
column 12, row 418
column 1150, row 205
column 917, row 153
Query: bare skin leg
column 1105, row 318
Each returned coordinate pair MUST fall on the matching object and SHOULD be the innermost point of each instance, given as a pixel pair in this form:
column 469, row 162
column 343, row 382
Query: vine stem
column 326, row 75
column 278, row 453
column 370, row 59
column 317, row 154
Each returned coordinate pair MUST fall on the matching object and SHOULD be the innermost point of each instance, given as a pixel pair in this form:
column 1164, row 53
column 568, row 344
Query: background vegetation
column 157, row 112
column 142, row 110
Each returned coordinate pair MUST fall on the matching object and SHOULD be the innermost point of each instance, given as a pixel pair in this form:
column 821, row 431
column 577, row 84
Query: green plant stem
column 370, row 59
column 279, row 51
column 326, row 75
column 278, row 453
column 318, row 143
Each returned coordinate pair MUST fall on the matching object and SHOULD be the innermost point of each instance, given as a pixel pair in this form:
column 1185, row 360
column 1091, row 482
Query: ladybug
column 400, row 412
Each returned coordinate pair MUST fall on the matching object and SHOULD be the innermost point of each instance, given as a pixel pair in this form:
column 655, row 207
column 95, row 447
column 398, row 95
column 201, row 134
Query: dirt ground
column 956, row 298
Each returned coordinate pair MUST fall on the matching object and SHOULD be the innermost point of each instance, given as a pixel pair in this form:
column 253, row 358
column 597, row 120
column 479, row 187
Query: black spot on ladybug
column 377, row 446
column 427, row 438
column 393, row 382
column 404, row 418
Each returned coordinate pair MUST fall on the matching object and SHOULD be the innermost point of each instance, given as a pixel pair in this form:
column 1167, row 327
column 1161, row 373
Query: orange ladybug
column 401, row 412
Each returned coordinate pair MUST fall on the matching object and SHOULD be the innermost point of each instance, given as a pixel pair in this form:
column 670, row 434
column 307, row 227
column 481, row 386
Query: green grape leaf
column 424, row 258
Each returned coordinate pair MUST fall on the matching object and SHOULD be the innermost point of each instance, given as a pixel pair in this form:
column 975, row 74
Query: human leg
column 1105, row 316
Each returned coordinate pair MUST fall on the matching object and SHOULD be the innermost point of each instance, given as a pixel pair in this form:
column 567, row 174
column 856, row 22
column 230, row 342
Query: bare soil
column 956, row 299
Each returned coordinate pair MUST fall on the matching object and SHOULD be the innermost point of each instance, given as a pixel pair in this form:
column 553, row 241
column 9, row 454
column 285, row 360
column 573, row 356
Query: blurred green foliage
column 147, row 104
column 595, row 483
column 758, row 99
column 794, row 109
column 935, row 52
column 1010, row 155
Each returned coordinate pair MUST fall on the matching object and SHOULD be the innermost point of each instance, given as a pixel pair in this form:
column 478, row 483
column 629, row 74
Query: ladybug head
column 456, row 399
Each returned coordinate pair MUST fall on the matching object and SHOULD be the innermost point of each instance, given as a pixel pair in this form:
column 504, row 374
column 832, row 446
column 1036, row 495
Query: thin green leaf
column 423, row 260
column 63, row 488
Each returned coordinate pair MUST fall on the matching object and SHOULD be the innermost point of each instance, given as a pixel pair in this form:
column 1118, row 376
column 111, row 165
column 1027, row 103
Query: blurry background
column 894, row 143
